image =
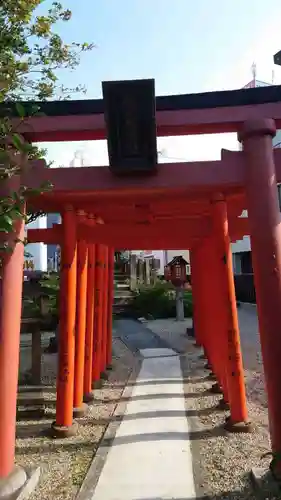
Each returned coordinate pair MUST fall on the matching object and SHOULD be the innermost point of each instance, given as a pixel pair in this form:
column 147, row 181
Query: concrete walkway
column 150, row 457
column 136, row 336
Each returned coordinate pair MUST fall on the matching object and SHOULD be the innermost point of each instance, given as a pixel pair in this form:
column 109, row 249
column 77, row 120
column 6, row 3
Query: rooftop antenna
column 254, row 72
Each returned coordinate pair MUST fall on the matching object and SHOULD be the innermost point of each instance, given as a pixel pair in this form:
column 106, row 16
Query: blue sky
column 187, row 46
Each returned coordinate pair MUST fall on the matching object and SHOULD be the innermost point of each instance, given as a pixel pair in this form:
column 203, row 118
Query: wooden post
column 64, row 426
column 153, row 271
column 147, row 271
column 141, row 272
column 36, row 349
column 133, row 271
column 36, row 354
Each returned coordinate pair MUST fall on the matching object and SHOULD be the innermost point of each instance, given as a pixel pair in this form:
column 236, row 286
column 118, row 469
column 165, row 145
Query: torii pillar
column 196, row 283
column 11, row 477
column 90, row 320
column 104, row 313
column 81, row 318
column 64, row 425
column 203, row 312
column 110, row 307
column 238, row 421
column 98, row 320
column 265, row 231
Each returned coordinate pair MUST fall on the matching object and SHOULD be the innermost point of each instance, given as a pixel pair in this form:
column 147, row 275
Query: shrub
column 158, row 301
column 50, row 285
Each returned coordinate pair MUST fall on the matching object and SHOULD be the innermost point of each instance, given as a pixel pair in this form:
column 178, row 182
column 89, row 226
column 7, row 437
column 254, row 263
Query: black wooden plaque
column 277, row 58
column 129, row 110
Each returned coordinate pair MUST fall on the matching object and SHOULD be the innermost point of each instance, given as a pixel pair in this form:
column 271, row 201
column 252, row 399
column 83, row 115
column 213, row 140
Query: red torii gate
column 189, row 205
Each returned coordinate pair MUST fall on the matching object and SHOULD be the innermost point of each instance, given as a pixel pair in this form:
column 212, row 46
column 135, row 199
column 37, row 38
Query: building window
column 246, row 263
column 279, row 195
column 236, row 257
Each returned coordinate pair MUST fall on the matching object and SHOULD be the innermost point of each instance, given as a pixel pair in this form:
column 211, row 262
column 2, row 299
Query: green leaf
column 20, row 109
column 17, row 141
column 16, row 197
column 6, row 224
column 8, row 220
column 46, row 186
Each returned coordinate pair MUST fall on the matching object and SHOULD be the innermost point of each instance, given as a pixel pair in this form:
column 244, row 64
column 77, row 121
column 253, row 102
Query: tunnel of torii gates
column 195, row 205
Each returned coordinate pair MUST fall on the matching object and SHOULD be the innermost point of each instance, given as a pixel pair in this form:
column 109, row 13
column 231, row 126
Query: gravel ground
column 64, row 463
column 222, row 460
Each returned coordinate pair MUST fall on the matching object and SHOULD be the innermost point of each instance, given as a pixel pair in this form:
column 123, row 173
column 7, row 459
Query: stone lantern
column 176, row 273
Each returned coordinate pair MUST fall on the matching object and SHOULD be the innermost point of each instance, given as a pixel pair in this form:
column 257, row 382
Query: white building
column 164, row 256
column 36, row 253
column 40, row 256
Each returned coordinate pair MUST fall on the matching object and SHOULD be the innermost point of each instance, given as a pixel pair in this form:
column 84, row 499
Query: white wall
column 155, row 254
column 243, row 245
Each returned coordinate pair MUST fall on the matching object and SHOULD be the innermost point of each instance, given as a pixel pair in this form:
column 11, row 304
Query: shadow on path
column 165, row 395
column 165, row 436
column 137, row 337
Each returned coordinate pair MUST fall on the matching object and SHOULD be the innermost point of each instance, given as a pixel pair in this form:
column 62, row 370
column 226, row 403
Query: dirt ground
column 223, row 461
column 64, row 463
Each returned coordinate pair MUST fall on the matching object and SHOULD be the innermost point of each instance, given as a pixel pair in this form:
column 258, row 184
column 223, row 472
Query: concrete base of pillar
column 20, row 484
column 89, row 397
column 13, row 483
column 264, row 481
column 190, row 332
column 81, row 411
column 97, row 384
column 60, row 431
column 223, row 405
column 238, row 427
column 216, row 389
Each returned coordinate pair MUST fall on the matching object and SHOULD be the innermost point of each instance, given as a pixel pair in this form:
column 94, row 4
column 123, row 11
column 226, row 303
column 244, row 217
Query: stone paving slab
column 136, row 336
column 150, row 456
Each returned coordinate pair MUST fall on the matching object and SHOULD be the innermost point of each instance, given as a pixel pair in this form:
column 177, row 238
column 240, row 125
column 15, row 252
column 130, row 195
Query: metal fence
column 245, row 288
